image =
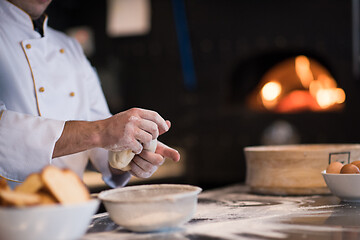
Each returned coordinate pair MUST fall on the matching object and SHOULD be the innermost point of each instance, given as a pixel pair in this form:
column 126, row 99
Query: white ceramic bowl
column 53, row 222
column 153, row 207
column 344, row 186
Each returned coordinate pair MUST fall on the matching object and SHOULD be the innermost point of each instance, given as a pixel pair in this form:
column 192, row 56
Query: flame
column 303, row 71
column 317, row 91
column 325, row 91
column 270, row 92
column 296, row 101
column 328, row 97
column 340, row 95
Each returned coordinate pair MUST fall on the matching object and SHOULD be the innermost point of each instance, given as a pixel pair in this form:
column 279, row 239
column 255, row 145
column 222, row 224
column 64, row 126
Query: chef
column 52, row 108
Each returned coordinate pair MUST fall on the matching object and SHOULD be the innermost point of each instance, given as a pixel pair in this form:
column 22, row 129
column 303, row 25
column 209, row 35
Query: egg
column 358, row 165
column 349, row 168
column 356, row 162
column 334, row 167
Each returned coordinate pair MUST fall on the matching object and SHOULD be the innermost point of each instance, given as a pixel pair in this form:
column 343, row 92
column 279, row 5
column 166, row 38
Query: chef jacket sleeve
column 26, row 143
column 99, row 110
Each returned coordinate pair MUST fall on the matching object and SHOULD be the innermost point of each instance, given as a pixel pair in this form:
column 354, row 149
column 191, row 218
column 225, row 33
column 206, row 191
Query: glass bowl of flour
column 153, row 207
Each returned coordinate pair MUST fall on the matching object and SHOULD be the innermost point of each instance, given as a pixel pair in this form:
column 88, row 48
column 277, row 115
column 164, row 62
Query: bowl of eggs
column 343, row 180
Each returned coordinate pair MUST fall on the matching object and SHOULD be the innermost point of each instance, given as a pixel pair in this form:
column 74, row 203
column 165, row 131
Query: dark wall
column 234, row 43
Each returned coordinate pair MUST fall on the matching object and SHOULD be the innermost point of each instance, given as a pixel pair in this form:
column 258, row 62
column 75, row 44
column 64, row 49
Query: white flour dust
column 264, row 221
column 229, row 214
column 155, row 220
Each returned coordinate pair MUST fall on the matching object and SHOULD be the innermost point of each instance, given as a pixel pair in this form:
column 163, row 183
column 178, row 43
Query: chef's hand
column 132, row 129
column 146, row 163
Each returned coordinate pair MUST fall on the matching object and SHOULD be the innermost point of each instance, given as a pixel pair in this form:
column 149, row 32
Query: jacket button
column 42, row 89
column 28, row 46
column 72, row 94
column 62, row 50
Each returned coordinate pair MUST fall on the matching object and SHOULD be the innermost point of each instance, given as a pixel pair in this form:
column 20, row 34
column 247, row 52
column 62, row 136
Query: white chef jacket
column 44, row 81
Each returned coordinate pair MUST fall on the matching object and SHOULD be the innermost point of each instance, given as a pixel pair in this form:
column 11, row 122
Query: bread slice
column 64, row 185
column 46, row 197
column 3, row 184
column 18, row 199
column 25, row 194
column 32, row 184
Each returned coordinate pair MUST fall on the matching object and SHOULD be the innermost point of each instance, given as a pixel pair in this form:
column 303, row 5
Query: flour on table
column 230, row 214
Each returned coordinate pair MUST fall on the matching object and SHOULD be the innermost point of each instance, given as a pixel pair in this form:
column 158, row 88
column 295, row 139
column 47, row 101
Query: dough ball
column 121, row 159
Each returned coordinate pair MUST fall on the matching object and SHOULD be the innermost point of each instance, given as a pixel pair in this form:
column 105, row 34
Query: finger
column 167, row 152
column 154, row 117
column 149, row 127
column 141, row 168
column 153, row 158
column 136, row 122
column 127, row 143
column 135, row 147
column 144, row 164
column 168, row 123
column 143, row 136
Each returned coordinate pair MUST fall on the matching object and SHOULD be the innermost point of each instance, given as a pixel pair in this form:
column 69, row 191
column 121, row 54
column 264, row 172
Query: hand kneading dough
column 122, row 159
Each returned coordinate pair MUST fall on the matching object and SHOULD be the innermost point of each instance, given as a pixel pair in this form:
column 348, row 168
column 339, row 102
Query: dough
column 122, row 159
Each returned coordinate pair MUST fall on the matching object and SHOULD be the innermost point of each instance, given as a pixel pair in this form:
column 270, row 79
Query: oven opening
column 296, row 84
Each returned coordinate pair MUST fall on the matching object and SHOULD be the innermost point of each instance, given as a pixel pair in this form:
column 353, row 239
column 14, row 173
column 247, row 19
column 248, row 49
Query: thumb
column 167, row 152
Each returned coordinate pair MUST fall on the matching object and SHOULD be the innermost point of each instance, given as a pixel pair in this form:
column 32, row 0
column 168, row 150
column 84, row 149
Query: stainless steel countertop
column 234, row 213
